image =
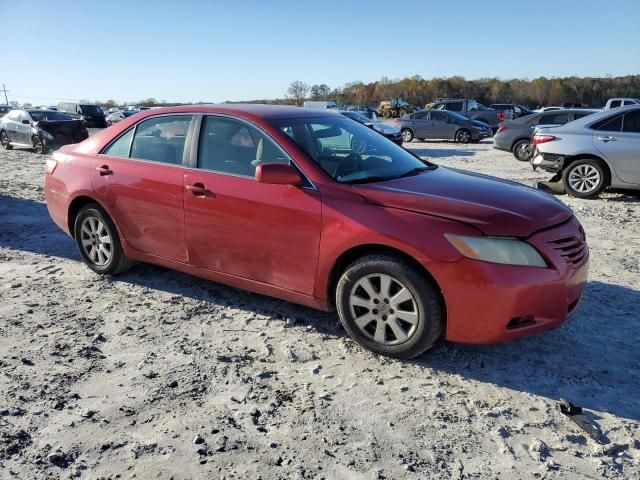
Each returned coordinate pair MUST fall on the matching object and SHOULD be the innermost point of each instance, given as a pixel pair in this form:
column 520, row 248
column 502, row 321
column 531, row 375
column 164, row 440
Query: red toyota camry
column 315, row 208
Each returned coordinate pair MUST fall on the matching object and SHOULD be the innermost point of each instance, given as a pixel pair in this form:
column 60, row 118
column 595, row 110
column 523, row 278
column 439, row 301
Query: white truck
column 320, row 105
column 620, row 102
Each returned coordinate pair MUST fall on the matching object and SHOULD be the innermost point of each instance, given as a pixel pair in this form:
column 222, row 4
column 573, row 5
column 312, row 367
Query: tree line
column 592, row 91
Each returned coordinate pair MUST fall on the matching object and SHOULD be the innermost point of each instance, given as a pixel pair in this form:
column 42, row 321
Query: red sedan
column 276, row 200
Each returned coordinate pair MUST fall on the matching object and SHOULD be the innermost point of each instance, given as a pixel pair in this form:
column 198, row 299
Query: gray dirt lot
column 116, row 377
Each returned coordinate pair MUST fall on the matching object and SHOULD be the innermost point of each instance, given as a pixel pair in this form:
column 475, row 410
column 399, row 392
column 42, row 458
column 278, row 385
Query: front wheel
column 98, row 241
column 4, row 141
column 522, row 150
column 584, row 178
column 463, row 136
column 407, row 135
column 389, row 306
column 38, row 145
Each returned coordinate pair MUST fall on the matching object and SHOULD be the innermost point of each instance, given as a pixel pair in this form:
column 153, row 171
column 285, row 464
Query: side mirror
column 26, row 122
column 278, row 174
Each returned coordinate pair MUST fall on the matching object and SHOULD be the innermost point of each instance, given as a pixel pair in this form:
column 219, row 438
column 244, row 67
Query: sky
column 187, row 50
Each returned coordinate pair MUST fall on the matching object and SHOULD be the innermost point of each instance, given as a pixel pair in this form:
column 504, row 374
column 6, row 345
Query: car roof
column 40, row 110
column 589, row 119
column 247, row 109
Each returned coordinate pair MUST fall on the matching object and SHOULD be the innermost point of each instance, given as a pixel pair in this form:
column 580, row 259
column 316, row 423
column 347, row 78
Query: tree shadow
column 25, row 225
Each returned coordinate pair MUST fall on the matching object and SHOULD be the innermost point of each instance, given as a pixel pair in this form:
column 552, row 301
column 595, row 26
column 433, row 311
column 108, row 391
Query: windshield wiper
column 413, row 171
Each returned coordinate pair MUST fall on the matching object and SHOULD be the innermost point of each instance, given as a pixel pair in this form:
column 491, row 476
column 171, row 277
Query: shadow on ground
column 592, row 360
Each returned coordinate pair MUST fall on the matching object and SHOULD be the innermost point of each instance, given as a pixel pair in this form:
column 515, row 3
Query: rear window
column 632, row 122
column 554, row 119
column 609, row 124
column 91, row 110
column 49, row 116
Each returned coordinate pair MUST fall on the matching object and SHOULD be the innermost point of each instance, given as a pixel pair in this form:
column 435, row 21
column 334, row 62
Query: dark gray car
column 441, row 124
column 515, row 135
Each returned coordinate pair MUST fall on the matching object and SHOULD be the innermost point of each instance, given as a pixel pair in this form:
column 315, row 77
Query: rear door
column 420, row 124
column 619, row 141
column 140, row 178
column 12, row 119
column 238, row 226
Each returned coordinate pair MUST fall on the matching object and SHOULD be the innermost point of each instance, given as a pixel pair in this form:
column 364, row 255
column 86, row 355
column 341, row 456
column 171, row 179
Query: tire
column 404, row 332
column 386, row 113
column 4, row 141
column 38, row 145
column 463, row 136
column 92, row 224
column 402, row 113
column 522, row 150
column 407, row 135
column 585, row 178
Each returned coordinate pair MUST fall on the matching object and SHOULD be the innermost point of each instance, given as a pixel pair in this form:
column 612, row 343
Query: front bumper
column 490, row 303
column 480, row 134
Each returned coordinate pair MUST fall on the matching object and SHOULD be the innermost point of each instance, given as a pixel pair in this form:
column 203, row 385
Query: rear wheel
column 4, row 141
column 463, row 136
column 386, row 113
column 407, row 135
column 38, row 145
column 584, row 178
column 389, row 306
column 522, row 150
column 98, row 241
column 402, row 113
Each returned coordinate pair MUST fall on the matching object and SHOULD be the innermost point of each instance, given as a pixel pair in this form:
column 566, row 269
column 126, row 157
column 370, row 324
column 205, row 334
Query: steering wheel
column 351, row 163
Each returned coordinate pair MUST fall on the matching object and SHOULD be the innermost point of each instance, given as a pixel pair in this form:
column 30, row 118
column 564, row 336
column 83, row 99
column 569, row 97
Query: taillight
column 502, row 128
column 50, row 166
column 396, row 120
column 501, row 116
column 538, row 139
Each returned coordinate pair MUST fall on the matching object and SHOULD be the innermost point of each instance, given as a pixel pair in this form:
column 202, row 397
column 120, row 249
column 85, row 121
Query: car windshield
column 40, row 115
column 357, row 117
column 349, row 151
column 91, row 110
column 458, row 116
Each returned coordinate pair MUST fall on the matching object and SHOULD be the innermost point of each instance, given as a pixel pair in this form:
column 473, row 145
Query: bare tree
column 298, row 91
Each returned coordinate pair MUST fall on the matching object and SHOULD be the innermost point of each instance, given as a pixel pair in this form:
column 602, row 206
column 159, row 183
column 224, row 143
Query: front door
column 140, row 179
column 439, row 126
column 619, row 142
column 235, row 225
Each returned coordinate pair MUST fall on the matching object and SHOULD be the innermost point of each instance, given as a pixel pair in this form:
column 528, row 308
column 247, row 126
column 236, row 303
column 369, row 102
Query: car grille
column 573, row 249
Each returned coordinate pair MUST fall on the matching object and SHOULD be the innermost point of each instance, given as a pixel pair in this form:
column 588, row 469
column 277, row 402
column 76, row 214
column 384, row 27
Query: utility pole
column 6, row 101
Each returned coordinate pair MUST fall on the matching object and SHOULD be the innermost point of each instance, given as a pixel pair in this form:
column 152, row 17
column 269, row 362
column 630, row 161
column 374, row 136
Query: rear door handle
column 607, row 139
column 104, row 170
column 199, row 190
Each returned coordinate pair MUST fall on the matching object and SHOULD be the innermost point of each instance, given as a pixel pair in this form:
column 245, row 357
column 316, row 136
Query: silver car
column 441, row 124
column 598, row 151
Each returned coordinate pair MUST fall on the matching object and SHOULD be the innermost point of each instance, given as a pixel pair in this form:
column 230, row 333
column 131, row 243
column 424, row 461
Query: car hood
column 385, row 129
column 493, row 206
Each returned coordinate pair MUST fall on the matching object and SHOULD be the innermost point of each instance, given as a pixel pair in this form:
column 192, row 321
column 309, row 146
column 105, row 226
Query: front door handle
column 199, row 190
column 104, row 170
column 607, row 139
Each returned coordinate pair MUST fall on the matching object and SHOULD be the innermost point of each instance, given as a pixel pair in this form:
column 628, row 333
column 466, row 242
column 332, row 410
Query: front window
column 49, row 116
column 348, row 151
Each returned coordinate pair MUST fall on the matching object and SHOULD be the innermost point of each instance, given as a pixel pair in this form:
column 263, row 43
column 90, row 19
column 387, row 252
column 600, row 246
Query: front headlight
column 505, row 250
column 46, row 135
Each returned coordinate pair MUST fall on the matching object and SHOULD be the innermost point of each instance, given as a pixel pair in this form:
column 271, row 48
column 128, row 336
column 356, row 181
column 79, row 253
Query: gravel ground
column 155, row 374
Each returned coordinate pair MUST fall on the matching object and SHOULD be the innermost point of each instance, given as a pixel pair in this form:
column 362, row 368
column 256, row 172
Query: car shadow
column 442, row 152
column 592, row 360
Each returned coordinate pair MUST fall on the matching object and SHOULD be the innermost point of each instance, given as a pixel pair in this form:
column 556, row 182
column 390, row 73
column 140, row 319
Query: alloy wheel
column 96, row 241
column 523, row 151
column 384, row 309
column 407, row 136
column 464, row 137
column 584, row 178
column 38, row 146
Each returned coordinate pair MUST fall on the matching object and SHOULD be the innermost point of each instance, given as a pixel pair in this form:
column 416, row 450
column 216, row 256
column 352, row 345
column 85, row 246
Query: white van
column 320, row 105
